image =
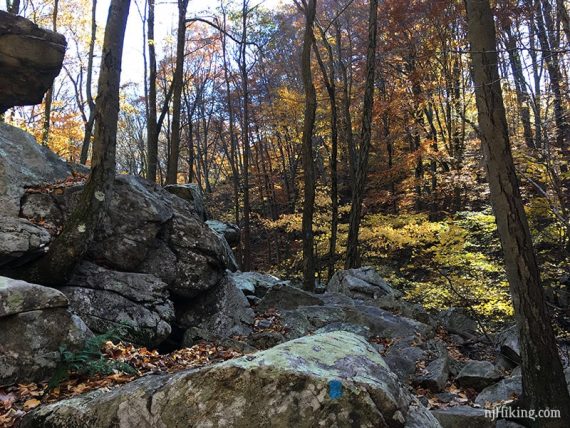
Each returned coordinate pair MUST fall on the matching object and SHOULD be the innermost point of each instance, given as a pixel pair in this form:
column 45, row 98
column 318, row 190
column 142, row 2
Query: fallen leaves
column 17, row 400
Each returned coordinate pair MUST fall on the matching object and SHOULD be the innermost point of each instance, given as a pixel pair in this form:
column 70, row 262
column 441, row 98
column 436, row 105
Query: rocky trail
column 206, row 345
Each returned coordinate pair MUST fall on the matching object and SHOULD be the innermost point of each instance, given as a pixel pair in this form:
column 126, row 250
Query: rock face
column 24, row 163
column 30, row 59
column 136, row 304
column 34, row 325
column 478, row 375
column 255, row 283
column 219, row 314
column 334, row 380
column 228, row 230
column 21, row 241
column 192, row 194
column 506, row 389
column 361, row 283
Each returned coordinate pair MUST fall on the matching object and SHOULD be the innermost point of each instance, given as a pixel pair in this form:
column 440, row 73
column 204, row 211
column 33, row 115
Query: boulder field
column 163, row 274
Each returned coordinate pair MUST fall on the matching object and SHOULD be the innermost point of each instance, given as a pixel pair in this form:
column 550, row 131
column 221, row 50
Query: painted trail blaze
column 335, row 389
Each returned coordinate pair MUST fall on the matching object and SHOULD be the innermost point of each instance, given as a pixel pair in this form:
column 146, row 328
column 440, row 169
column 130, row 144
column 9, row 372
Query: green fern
column 89, row 361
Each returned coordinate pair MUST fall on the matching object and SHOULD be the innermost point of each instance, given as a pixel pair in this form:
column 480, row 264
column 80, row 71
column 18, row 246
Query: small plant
column 89, row 361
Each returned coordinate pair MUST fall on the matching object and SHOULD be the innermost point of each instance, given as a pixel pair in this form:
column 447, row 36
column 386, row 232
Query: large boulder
column 35, row 325
column 307, row 319
column 24, row 163
column 255, row 283
column 193, row 195
column 21, row 241
column 30, row 59
column 147, row 230
column 335, row 380
column 284, row 296
column 220, row 313
column 229, row 231
column 136, row 305
column 507, row 389
column 509, row 345
column 478, row 375
column 361, row 283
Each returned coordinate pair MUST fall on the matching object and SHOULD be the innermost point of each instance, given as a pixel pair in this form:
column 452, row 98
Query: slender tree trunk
column 13, row 7
column 49, row 93
column 544, row 385
column 70, row 246
column 308, row 163
column 352, row 251
column 177, row 83
column 330, row 83
column 245, row 232
column 151, row 126
column 89, row 79
column 520, row 84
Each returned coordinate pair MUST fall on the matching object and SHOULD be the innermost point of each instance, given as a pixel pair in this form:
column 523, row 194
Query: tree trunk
column 245, row 232
column 308, row 164
column 69, row 247
column 89, row 79
column 353, row 256
column 177, row 83
column 151, row 126
column 544, row 385
column 49, row 93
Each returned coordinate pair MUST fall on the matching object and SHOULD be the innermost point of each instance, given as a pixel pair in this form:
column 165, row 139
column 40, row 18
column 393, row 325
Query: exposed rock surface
column 463, row 417
column 24, row 163
column 334, row 380
column 507, row 389
column 34, row 325
column 136, row 304
column 229, row 231
column 456, row 320
column 436, row 375
column 478, row 375
column 192, row 194
column 21, row 241
column 361, row 283
column 255, row 283
column 219, row 314
column 287, row 297
column 509, row 346
column 30, row 59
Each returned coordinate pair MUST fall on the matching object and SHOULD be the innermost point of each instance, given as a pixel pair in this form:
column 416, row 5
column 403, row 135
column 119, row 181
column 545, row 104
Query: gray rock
column 282, row 296
column 360, row 330
column 402, row 358
column 229, row 231
column 137, row 213
column 409, row 310
column 30, row 343
column 363, row 282
column 31, row 59
column 307, row 319
column 257, row 283
column 456, row 320
column 334, row 380
column 221, row 313
column 42, row 207
column 20, row 296
column 201, row 258
column 192, row 194
column 265, row 339
column 509, row 346
column 135, row 304
column 506, row 389
column 160, row 262
column 21, row 241
column 435, row 376
column 463, row 417
column 478, row 375
column 24, row 163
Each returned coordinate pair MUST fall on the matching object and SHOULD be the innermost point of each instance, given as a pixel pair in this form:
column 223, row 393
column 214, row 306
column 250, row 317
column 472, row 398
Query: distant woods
column 321, row 112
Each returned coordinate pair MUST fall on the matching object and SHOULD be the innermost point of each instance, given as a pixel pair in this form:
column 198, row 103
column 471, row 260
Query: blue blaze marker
column 335, row 389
